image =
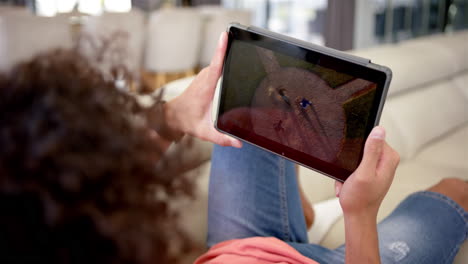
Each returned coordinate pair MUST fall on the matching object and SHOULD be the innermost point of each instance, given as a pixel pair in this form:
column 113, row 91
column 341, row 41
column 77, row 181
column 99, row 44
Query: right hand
column 362, row 193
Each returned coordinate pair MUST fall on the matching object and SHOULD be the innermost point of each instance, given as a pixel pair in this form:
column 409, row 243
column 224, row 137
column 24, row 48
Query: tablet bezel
column 345, row 63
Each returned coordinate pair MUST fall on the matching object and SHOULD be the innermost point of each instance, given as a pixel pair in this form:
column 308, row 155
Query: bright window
column 117, row 5
column 66, row 6
column 46, row 7
column 303, row 19
column 92, row 7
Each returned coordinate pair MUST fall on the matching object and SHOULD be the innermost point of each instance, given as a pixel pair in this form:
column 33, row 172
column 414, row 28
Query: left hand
column 190, row 112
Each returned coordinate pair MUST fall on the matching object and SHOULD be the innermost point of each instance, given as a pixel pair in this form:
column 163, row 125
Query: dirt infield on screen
column 307, row 107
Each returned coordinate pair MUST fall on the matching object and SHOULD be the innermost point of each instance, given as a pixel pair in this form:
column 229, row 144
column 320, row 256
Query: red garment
column 258, row 250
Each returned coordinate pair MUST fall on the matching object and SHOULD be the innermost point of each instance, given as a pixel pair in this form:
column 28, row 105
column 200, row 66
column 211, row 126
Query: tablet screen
column 309, row 107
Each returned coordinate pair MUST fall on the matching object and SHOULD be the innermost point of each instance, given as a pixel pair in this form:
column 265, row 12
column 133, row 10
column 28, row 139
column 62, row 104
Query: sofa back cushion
column 25, row 36
column 461, row 83
column 428, row 96
column 415, row 64
column 455, row 43
column 415, row 119
column 173, row 40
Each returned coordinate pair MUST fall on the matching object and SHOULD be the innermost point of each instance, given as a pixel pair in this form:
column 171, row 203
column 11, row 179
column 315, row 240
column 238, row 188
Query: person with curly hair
column 79, row 181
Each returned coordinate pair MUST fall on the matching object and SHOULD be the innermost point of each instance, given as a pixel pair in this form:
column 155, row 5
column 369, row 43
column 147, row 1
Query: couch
column 425, row 115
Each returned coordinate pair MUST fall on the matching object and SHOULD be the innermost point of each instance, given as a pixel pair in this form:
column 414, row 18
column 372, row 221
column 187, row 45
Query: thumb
column 216, row 65
column 223, row 139
column 373, row 149
column 234, row 142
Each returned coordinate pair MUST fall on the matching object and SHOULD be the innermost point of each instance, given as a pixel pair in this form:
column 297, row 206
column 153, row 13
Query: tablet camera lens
column 304, row 103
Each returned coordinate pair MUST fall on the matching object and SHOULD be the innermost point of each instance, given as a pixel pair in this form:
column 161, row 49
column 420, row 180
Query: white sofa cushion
column 194, row 212
column 462, row 83
column 421, row 117
column 409, row 64
column 316, row 186
column 173, row 40
column 25, row 36
column 175, row 88
column 455, row 43
column 124, row 32
column 450, row 151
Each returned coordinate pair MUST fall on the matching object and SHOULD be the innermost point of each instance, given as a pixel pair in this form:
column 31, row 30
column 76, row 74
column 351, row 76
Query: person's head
column 77, row 170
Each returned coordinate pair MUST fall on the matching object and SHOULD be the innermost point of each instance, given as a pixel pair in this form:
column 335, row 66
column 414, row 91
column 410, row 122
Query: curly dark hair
column 78, row 182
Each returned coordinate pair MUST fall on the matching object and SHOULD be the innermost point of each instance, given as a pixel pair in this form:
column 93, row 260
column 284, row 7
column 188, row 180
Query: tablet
column 310, row 104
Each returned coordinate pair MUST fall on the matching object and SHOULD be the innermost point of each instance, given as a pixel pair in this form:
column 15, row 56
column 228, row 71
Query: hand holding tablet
column 313, row 105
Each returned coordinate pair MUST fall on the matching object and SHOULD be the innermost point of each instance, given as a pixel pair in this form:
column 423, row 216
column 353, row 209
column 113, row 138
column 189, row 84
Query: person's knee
column 455, row 185
column 454, row 188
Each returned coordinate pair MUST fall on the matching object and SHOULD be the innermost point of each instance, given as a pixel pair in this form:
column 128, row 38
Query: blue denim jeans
column 255, row 193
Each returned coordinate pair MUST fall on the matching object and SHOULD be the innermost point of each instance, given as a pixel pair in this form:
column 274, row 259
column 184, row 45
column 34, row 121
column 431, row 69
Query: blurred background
column 163, row 40
column 164, row 43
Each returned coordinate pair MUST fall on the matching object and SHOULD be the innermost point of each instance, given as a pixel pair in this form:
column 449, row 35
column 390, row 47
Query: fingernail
column 337, row 190
column 236, row 143
column 378, row 132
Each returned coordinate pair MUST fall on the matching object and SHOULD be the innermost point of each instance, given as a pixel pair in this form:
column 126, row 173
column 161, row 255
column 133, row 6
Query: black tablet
column 310, row 104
